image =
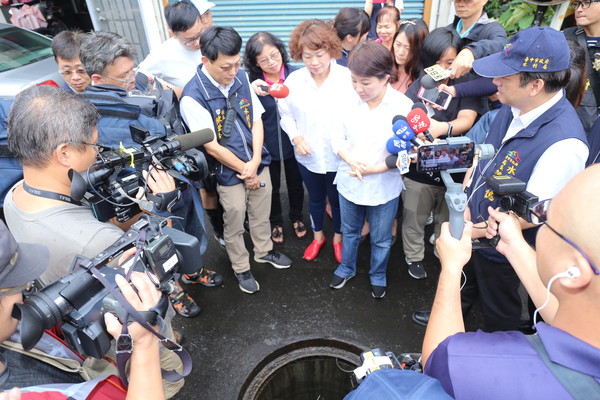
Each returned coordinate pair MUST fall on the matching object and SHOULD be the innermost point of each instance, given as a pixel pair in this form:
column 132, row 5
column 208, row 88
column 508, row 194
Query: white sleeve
column 287, row 119
column 557, row 166
column 195, row 116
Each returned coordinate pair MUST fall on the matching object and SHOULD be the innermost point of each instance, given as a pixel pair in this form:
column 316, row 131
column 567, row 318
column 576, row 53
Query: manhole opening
column 317, row 369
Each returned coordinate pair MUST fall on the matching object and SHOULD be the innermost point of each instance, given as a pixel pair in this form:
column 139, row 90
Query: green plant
column 515, row 15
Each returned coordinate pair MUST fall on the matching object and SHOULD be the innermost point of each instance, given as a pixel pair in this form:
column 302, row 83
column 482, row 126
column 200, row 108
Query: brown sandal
column 277, row 234
column 299, row 229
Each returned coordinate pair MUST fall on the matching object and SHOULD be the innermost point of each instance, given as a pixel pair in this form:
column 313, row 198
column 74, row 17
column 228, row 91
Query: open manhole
column 316, row 369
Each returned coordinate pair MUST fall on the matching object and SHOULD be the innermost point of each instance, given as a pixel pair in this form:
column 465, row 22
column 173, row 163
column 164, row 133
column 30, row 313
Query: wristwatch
column 449, row 134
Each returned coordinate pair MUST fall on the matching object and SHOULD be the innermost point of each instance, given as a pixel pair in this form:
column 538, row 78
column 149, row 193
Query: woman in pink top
column 406, row 49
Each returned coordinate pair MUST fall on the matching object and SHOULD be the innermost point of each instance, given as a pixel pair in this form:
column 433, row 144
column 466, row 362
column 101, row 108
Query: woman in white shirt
column 366, row 186
column 308, row 115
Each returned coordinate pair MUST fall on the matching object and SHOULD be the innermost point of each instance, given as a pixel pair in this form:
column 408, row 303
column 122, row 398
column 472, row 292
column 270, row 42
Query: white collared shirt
column 365, row 133
column 197, row 117
column 311, row 112
column 559, row 163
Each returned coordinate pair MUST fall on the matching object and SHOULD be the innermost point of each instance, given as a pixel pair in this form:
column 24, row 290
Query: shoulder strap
column 592, row 73
column 579, row 385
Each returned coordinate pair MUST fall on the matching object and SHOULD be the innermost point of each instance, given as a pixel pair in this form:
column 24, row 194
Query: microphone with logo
column 277, row 90
column 403, row 131
column 419, row 121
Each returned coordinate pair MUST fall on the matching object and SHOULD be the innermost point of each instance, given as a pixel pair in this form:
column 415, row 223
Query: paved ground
column 235, row 331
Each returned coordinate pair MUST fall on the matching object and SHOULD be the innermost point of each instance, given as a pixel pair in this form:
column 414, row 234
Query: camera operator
column 22, row 263
column 51, row 131
column 563, row 268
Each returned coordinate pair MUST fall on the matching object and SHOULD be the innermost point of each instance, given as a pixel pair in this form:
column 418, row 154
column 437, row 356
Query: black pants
column 294, row 188
column 497, row 286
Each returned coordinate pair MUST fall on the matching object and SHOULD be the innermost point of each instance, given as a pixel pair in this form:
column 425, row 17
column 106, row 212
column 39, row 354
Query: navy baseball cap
column 20, row 262
column 537, row 49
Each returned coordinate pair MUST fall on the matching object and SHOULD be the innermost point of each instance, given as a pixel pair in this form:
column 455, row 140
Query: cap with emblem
column 537, row 49
column 20, row 262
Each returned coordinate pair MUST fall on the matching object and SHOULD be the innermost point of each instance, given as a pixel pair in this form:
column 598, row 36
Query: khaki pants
column 420, row 199
column 236, row 200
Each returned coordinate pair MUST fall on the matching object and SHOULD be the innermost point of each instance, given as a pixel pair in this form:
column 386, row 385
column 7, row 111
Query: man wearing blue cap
column 538, row 139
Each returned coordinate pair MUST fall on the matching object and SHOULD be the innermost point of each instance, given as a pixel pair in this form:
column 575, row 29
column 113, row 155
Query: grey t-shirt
column 67, row 230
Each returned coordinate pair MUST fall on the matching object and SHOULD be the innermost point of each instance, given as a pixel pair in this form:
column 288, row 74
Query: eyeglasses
column 128, row 80
column 584, row 4
column 26, row 287
column 539, row 216
column 189, row 42
column 69, row 72
column 99, row 146
column 228, row 68
column 275, row 56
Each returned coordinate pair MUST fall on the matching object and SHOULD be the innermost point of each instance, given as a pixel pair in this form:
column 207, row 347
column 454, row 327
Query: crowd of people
column 533, row 97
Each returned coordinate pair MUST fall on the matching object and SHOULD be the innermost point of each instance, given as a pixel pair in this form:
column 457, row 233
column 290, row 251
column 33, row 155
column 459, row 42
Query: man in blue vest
column 219, row 97
column 538, row 139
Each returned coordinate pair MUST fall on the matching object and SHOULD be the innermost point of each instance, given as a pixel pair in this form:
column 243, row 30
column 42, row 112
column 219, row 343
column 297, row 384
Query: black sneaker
column 421, row 317
column 184, row 304
column 378, row 292
column 204, row 277
column 276, row 259
column 416, row 269
column 338, row 282
column 247, row 282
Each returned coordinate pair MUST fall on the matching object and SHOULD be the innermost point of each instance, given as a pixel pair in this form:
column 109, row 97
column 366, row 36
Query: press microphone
column 429, row 83
column 195, row 139
column 403, row 131
column 419, row 122
column 277, row 90
column 395, row 145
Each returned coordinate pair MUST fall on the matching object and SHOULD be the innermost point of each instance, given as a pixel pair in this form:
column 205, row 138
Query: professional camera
column 79, row 299
column 116, row 177
column 513, row 196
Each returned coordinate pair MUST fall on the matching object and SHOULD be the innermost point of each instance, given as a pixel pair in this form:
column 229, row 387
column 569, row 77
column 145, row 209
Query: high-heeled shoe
column 337, row 251
column 312, row 251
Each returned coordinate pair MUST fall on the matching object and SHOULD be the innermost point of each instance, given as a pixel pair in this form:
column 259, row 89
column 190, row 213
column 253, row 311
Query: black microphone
column 429, row 83
column 195, row 139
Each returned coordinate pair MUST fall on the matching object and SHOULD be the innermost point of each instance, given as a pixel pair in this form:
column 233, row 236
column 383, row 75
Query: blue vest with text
column 201, row 89
column 518, row 156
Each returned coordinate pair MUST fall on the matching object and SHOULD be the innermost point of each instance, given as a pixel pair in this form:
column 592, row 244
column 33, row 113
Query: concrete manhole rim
column 301, row 349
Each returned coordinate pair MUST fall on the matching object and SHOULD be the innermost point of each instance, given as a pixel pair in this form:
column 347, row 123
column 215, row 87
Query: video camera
column 79, row 299
column 513, row 196
column 117, row 176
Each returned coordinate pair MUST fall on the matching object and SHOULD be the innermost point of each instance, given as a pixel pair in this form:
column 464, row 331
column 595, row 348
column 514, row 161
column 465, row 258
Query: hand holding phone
column 441, row 98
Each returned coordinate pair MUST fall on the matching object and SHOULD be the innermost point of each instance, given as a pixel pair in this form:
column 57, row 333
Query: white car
column 25, row 59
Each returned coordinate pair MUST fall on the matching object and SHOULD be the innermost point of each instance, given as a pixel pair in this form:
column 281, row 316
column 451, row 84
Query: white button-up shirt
column 311, row 112
column 364, row 132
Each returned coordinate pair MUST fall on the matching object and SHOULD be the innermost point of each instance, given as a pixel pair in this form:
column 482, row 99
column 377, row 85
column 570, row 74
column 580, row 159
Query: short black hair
column 66, row 44
column 255, row 46
column 351, row 21
column 436, row 44
column 220, row 40
column 181, row 16
column 553, row 81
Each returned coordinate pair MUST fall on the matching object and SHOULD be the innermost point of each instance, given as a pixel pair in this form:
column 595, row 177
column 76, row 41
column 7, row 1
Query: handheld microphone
column 195, row 139
column 395, row 145
column 429, row 83
column 277, row 90
column 419, row 122
column 403, row 131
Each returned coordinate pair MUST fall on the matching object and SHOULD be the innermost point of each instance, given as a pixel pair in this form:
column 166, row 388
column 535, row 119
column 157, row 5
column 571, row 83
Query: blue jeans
column 321, row 187
column 380, row 219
